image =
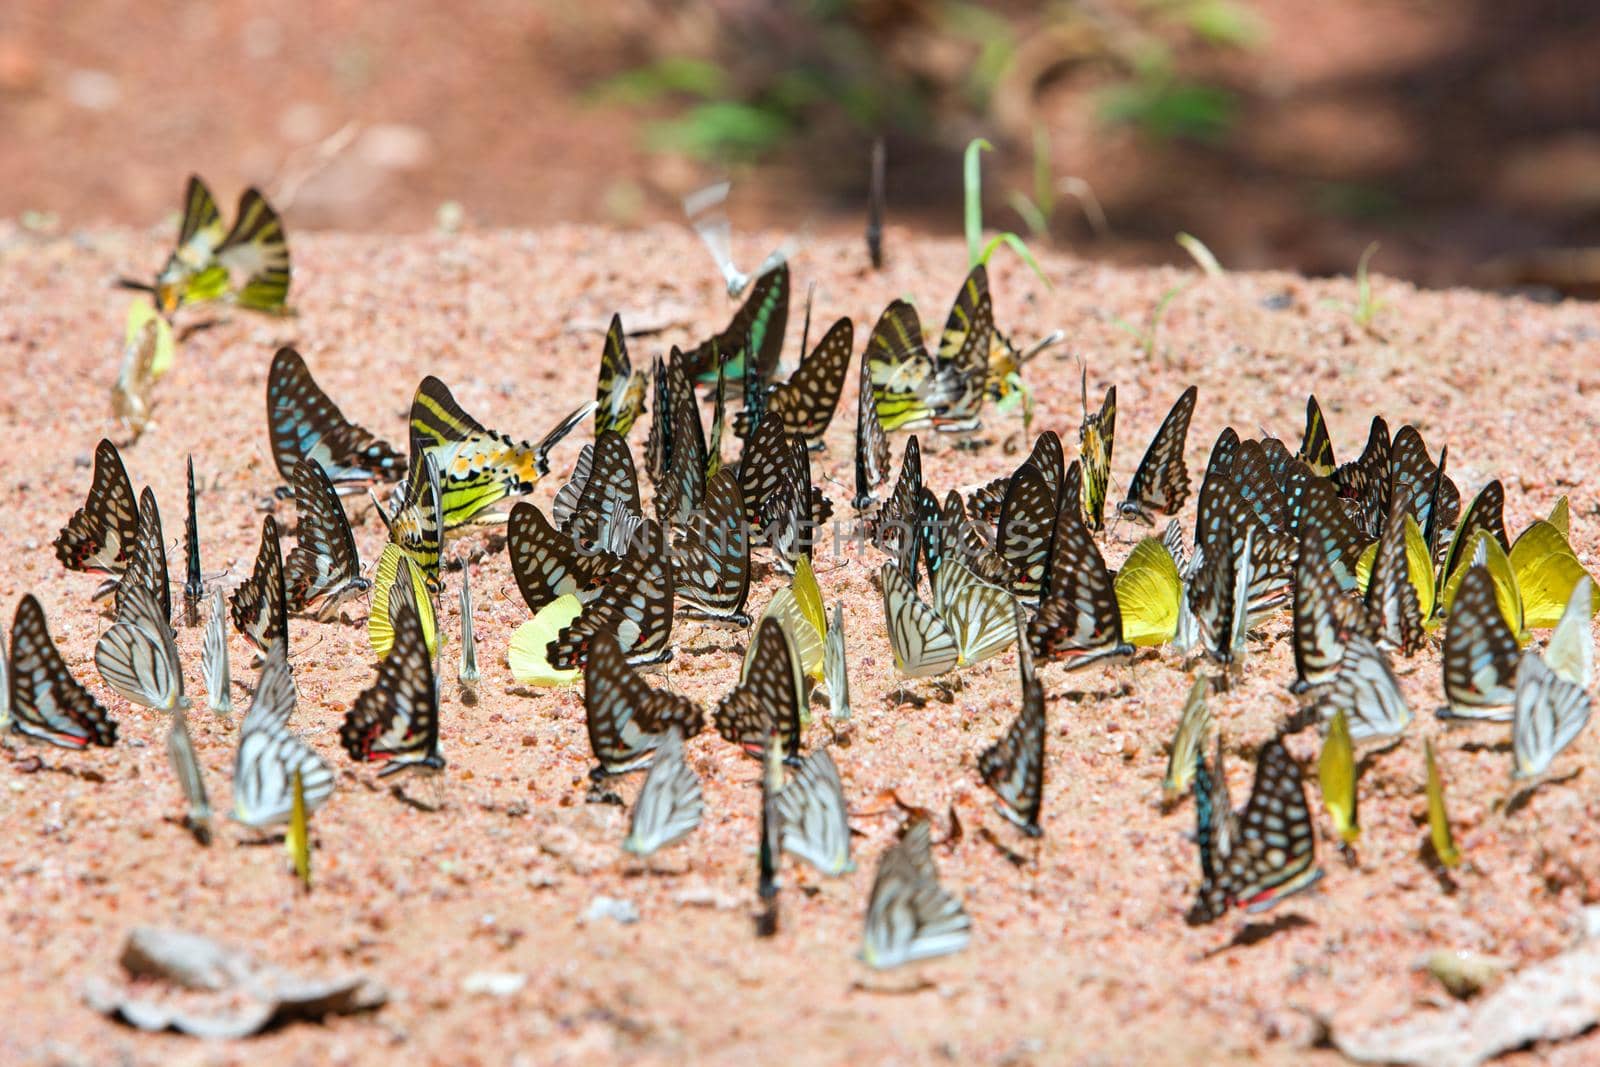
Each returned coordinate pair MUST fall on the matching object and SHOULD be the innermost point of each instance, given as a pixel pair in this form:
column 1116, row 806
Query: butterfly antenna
column 1049, row 340
column 805, row 328
column 378, row 507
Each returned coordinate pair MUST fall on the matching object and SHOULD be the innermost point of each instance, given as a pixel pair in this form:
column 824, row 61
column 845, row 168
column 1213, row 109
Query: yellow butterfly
column 1547, row 569
column 1444, row 842
column 1419, row 568
column 298, row 837
column 530, row 663
column 1336, row 771
column 394, row 565
column 1149, row 594
column 147, row 352
column 248, row 264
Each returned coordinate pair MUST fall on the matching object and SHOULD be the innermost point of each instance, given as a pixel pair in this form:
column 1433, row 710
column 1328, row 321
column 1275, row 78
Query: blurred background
column 1462, row 134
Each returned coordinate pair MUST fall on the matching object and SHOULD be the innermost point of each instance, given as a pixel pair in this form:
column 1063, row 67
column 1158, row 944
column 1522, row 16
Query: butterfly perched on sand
column 1392, row 602
column 395, row 721
column 1422, row 487
column 417, row 524
column 467, row 674
column 138, row 655
column 627, row 718
column 1026, row 526
column 835, row 667
column 1188, row 742
column 1014, row 765
column 619, row 393
column 1316, row 448
column 99, row 537
column 303, row 423
column 186, row 767
column 669, row 806
column 247, row 264
column 781, row 504
column 194, row 586
column 1485, row 513
column 1549, row 714
column 1161, row 482
column 970, row 620
column 147, row 563
column 214, row 658
column 599, row 509
column 1096, row 435
column 395, row 566
column 260, row 605
column 147, row 354
column 754, row 337
column 711, row 556
column 1439, row 832
column 813, row 815
column 478, row 467
column 1079, row 618
column 1272, row 853
column 1151, row 594
column 635, row 607
column 910, row 916
column 270, row 754
column 677, row 452
column 1481, row 655
column 324, row 568
column 1338, row 775
column 897, row 518
column 900, row 369
column 961, row 369
column 806, row 402
column 46, row 702
column 1325, row 617
column 769, row 697
column 546, row 563
column 872, row 444
column 1364, row 481
column 1364, row 688
column 1570, row 652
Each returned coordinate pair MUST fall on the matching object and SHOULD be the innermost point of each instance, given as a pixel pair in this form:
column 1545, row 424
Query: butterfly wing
column 1161, row 482
column 923, row 645
column 396, row 719
column 255, row 254
column 910, row 916
column 711, row 555
column 1014, row 765
column 962, row 366
column 1550, row 712
column 260, row 605
column 669, row 806
column 814, row 816
column 635, row 607
column 1480, row 653
column 619, row 393
column 768, row 698
column 100, row 536
column 806, row 402
column 302, row 422
column 900, row 368
column 324, row 567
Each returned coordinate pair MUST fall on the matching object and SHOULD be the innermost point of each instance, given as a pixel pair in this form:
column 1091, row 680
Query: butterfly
column 1188, row 742
column 635, row 607
column 478, row 467
column 669, row 806
column 1027, row 522
column 324, row 568
column 1549, row 713
column 147, row 354
column 1320, row 518
column 986, row 501
column 248, row 263
column 1316, row 448
column 962, row 367
column 1095, row 436
column 194, row 588
column 1392, row 600
column 1161, row 483
column 99, row 537
column 1337, row 774
column 711, row 556
column 395, row 721
column 769, row 696
column 1004, row 384
column 627, row 718
column 755, row 334
column 680, row 482
column 1481, row 655
column 1547, row 570
column 910, row 916
column 1150, row 594
column 604, row 508
column 1365, row 481
column 799, row 621
column 260, row 605
column 835, row 667
column 1014, row 765
column 1274, row 852
column 270, row 755
column 900, row 369
column 1570, row 652
column 814, row 817
column 395, row 566
column 180, row 753
column 303, row 423
column 896, row 519
column 467, row 670
column 417, row 523
column 545, row 562
column 1325, row 617
column 1225, row 520
column 780, row 503
column 969, row 622
column 1219, row 596
column 147, row 563
column 619, row 394
column 1366, row 691
column 138, row 655
column 805, row 403
column 1078, row 618
column 47, row 702
column 1443, row 840
column 214, row 659
column 297, row 839
column 872, row 444
column 1421, row 486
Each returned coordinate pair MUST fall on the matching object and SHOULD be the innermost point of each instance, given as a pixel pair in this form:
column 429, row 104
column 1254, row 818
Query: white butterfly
column 669, row 805
column 1549, row 714
column 138, row 656
column 910, row 916
column 815, row 820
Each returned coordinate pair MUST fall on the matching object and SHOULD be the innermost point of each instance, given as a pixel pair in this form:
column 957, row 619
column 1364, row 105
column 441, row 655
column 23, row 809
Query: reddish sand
column 1082, row 958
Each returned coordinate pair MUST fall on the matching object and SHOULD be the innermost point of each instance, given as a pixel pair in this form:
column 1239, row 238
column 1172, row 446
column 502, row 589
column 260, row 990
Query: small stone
column 1464, row 974
column 602, row 907
column 494, row 983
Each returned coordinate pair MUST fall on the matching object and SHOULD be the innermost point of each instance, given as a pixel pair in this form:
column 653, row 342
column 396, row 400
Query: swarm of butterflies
column 1369, row 558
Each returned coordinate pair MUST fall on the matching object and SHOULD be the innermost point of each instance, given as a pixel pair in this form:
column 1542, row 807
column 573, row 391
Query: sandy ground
column 1082, row 958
